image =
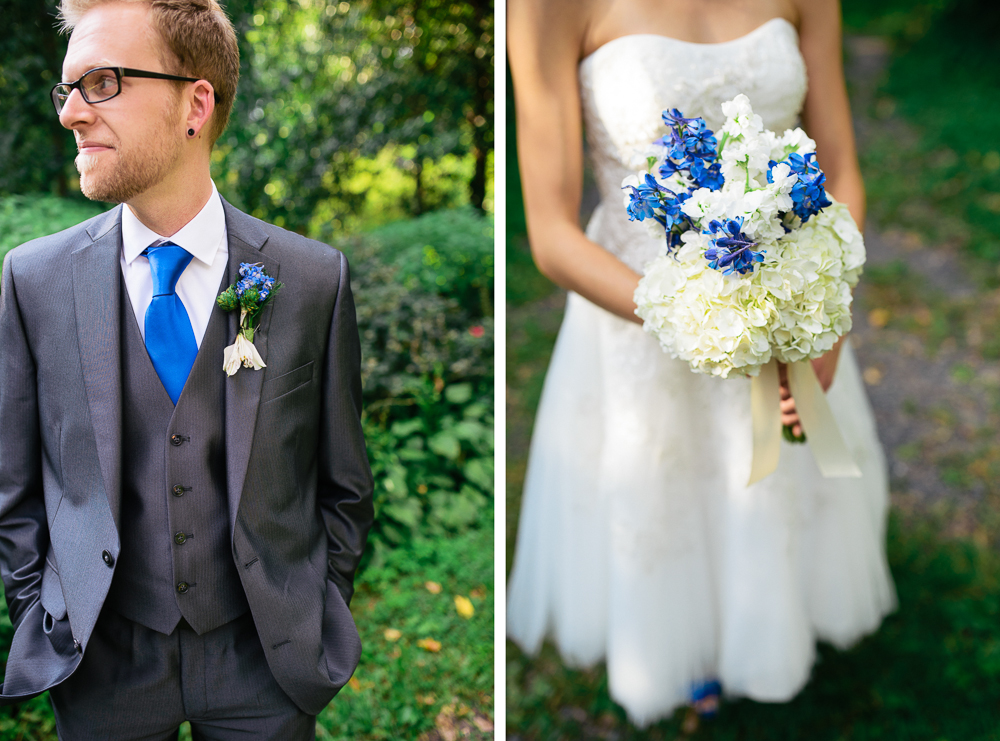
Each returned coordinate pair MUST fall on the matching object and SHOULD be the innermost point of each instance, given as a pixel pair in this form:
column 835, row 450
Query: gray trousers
column 136, row 684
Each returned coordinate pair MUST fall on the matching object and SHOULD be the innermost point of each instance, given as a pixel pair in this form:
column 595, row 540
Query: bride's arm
column 827, row 112
column 827, row 119
column 544, row 40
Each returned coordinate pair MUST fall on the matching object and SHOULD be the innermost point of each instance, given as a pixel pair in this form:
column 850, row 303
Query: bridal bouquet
column 759, row 261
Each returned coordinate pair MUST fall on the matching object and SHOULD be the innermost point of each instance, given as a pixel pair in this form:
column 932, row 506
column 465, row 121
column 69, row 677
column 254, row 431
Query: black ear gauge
column 190, row 132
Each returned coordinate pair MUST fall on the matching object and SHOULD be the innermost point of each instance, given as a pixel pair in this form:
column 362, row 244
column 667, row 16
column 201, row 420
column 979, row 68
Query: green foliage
column 25, row 217
column 324, row 86
column 408, row 335
column 400, row 688
column 445, row 252
column 433, row 464
column 327, row 85
column 36, row 152
column 427, row 376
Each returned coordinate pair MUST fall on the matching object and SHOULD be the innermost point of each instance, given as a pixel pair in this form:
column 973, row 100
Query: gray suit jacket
column 299, row 484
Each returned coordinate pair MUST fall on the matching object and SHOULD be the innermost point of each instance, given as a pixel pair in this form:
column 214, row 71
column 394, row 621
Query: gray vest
column 176, row 560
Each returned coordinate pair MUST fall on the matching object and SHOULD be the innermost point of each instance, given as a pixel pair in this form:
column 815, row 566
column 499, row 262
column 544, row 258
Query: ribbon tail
column 765, row 395
column 825, row 441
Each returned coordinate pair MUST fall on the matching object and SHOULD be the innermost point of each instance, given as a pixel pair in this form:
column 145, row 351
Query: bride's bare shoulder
column 551, row 26
column 824, row 14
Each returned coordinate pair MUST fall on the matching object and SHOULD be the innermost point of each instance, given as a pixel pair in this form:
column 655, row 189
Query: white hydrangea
column 792, row 306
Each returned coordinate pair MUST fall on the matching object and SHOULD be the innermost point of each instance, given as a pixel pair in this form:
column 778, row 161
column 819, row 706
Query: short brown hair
column 198, row 34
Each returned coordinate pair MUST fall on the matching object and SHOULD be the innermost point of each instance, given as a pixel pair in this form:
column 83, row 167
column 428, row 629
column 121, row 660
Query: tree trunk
column 418, row 200
column 480, row 115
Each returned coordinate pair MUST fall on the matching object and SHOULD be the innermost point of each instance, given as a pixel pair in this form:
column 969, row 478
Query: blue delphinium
column 808, row 194
column 653, row 201
column 691, row 146
column 706, row 176
column 253, row 277
column 731, row 250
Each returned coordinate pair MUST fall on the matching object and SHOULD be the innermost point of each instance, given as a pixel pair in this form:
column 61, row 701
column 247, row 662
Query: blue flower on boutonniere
column 250, row 294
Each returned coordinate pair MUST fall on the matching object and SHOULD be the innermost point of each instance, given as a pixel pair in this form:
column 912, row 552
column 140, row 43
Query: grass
column 400, row 690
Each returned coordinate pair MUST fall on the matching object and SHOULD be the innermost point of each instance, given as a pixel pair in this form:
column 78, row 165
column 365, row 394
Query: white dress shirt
column 200, row 283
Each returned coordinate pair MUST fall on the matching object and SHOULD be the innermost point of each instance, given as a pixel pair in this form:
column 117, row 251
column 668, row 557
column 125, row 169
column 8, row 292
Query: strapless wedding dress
column 639, row 542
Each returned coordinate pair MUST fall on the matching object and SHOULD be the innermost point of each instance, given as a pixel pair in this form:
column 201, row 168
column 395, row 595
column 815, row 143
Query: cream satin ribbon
column 824, row 438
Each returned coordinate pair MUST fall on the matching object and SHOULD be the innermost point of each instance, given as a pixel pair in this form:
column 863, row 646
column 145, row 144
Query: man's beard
column 136, row 171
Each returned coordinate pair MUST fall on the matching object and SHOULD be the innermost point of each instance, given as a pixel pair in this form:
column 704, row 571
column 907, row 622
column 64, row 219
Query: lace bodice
column 626, row 84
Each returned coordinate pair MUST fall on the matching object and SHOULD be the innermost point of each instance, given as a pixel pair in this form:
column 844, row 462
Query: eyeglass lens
column 96, row 85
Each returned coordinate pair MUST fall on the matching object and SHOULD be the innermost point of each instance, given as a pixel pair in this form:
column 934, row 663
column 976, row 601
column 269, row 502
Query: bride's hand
column 789, row 415
column 825, row 367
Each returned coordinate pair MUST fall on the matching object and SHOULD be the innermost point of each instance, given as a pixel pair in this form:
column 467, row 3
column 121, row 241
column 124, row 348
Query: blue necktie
column 170, row 339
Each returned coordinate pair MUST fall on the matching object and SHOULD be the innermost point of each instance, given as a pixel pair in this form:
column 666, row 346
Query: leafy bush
column 449, row 253
column 427, row 375
column 433, row 467
column 407, row 334
column 25, row 217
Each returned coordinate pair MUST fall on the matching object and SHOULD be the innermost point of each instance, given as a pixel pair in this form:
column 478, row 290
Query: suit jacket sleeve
column 344, row 487
column 24, row 535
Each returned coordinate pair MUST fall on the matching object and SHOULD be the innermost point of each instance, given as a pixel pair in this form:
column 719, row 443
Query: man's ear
column 201, row 103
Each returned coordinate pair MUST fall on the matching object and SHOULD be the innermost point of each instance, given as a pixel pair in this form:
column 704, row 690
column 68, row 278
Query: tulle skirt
column 640, row 544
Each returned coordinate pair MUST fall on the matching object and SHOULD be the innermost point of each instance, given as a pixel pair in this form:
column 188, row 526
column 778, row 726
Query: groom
column 175, row 543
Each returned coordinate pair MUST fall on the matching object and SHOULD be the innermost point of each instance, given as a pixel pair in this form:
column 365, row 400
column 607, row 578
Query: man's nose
column 76, row 111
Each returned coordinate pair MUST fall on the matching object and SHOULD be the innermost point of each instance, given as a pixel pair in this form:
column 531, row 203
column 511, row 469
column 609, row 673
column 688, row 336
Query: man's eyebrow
column 94, row 64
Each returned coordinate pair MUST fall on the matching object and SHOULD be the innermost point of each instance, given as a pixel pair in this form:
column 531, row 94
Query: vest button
column 176, row 440
column 182, row 587
column 180, row 539
column 178, row 491
column 108, row 558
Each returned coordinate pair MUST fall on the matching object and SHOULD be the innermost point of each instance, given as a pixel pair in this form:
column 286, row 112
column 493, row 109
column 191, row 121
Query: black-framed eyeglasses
column 104, row 83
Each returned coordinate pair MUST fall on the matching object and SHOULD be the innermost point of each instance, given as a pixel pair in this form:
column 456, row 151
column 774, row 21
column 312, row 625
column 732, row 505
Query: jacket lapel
column 243, row 388
column 96, row 296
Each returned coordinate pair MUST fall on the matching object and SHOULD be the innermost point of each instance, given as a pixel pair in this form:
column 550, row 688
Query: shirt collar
column 202, row 236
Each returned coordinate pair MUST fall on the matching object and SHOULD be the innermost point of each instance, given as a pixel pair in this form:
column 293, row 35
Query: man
column 175, row 543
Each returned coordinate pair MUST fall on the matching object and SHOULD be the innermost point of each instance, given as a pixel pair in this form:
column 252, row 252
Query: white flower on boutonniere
column 250, row 295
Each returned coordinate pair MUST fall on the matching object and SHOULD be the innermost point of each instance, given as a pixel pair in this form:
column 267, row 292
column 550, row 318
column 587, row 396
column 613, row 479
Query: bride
column 639, row 543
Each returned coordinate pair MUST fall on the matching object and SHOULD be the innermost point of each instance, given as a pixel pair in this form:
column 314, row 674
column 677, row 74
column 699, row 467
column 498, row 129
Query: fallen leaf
column 429, row 644
column 483, row 723
column 433, row 587
column 445, row 723
column 478, row 593
column 872, row 376
column 878, row 318
column 355, row 684
column 426, row 699
column 463, row 606
column 391, row 634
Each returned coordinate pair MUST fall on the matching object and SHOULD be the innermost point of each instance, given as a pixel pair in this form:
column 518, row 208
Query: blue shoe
column 705, row 698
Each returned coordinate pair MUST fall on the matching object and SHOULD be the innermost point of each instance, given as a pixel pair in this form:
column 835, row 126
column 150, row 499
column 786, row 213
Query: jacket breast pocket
column 274, row 388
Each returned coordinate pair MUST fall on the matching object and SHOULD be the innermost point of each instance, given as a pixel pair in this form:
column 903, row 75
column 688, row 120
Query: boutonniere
column 250, row 294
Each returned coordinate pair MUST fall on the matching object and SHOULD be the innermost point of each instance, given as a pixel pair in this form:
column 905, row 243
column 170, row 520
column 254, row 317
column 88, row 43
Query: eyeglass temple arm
column 128, row 72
